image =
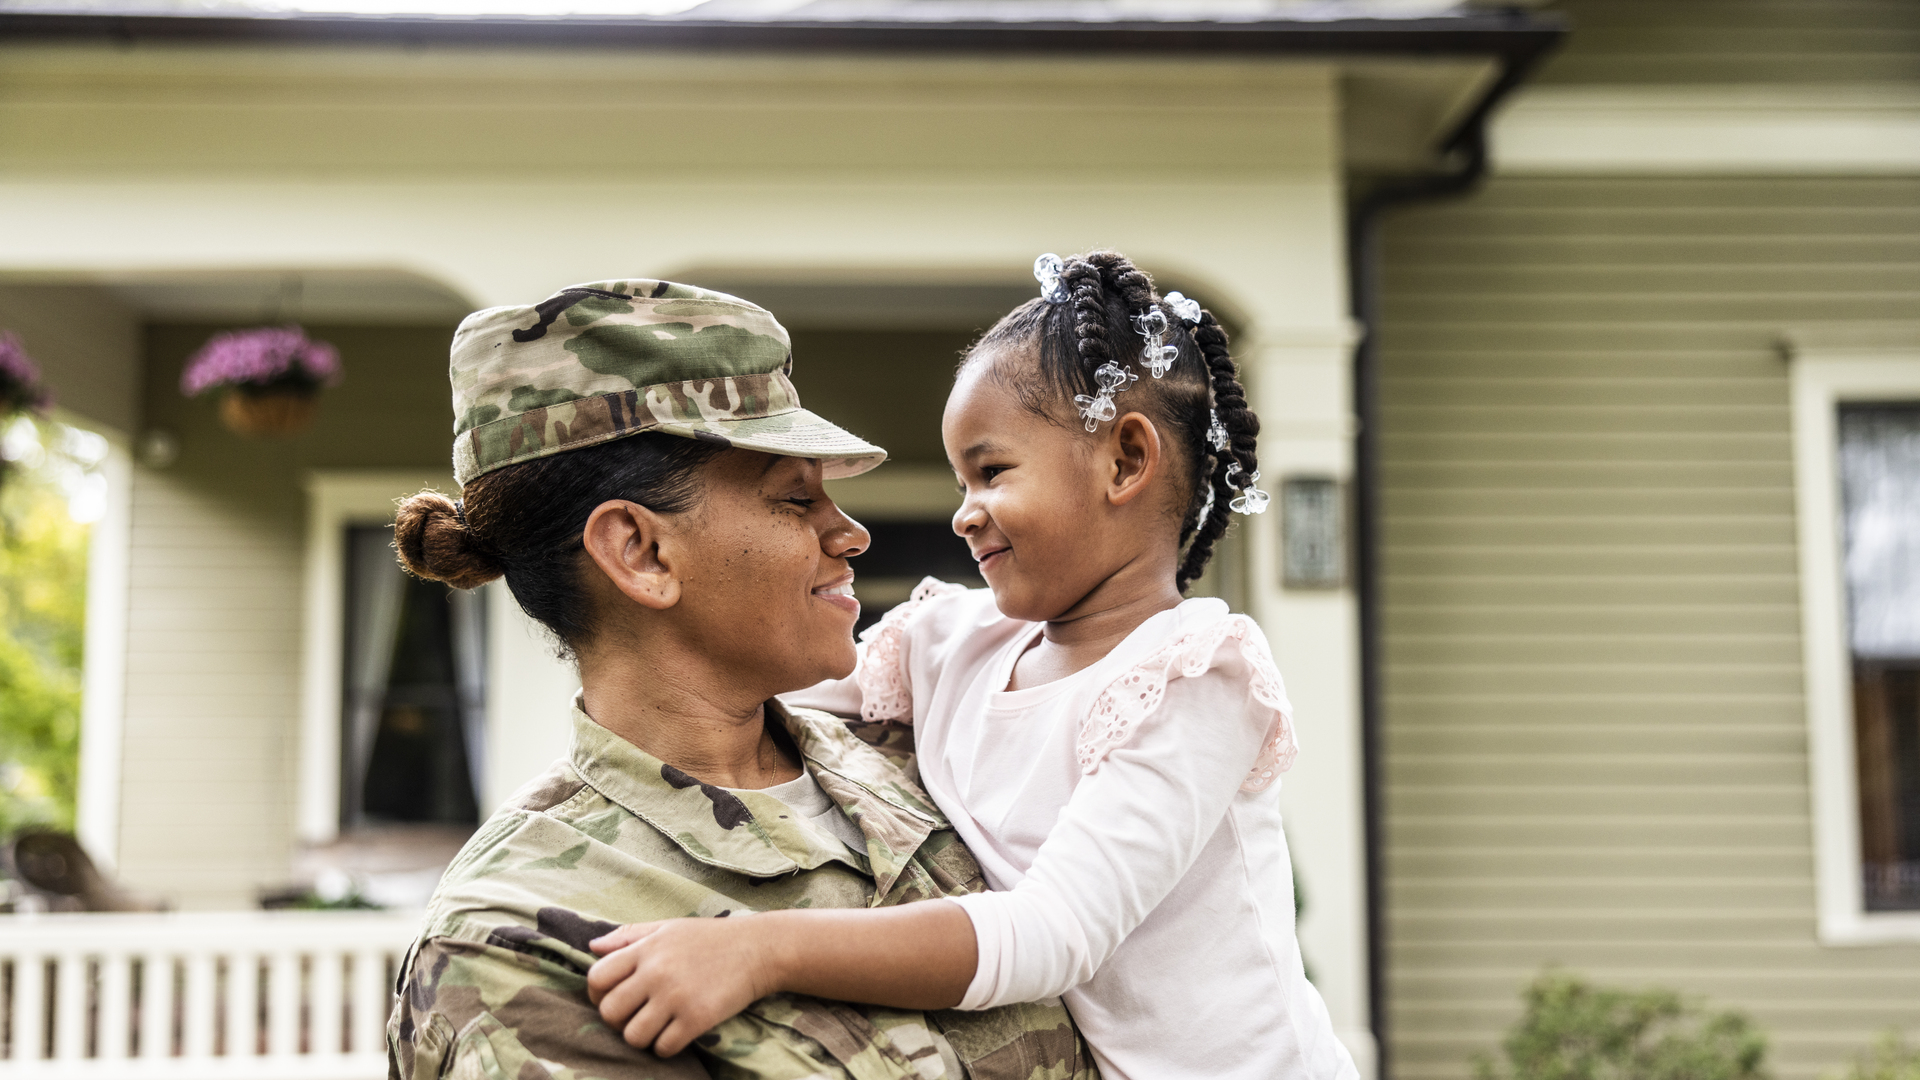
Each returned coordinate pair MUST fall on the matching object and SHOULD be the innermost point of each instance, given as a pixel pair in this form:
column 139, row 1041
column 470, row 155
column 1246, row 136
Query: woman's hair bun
column 435, row 543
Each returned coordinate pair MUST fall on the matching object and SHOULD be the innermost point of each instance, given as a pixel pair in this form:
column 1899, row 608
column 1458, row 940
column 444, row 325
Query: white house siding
column 1595, row 734
column 213, row 648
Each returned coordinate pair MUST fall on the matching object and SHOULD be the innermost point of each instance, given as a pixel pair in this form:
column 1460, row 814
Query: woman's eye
column 802, row 503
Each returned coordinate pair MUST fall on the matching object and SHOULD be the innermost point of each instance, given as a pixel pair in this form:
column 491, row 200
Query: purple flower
column 20, row 377
column 261, row 357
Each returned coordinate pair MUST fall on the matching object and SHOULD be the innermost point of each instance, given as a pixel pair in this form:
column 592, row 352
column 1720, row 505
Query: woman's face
column 765, row 584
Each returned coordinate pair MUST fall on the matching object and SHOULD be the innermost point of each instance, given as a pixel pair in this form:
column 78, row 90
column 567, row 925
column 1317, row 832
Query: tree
column 43, row 576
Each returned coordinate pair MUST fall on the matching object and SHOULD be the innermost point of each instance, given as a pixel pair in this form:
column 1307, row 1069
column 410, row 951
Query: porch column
column 1298, row 378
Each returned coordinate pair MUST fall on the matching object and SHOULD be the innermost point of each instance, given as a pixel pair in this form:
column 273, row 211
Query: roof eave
column 1507, row 34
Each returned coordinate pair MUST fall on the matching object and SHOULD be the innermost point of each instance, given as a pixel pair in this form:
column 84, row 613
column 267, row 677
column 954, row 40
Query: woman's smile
column 839, row 593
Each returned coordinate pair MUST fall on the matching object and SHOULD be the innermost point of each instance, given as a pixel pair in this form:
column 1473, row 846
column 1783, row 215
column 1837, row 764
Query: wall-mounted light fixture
column 1313, row 532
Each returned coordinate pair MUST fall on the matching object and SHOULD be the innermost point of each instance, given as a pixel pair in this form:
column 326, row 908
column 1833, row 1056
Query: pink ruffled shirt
column 1123, row 817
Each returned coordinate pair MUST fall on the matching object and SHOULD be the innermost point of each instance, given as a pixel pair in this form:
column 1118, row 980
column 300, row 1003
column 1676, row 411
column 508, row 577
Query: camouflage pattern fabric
column 496, row 986
column 598, row 362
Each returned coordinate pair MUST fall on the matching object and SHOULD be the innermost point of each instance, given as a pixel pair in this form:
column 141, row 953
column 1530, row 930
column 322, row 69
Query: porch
column 201, row 995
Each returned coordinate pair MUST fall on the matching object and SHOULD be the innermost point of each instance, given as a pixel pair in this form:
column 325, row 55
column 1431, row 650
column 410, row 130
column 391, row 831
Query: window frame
column 335, row 501
column 1824, row 375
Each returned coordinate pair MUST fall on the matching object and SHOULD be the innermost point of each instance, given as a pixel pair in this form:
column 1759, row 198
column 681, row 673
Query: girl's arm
column 666, row 983
column 1128, row 835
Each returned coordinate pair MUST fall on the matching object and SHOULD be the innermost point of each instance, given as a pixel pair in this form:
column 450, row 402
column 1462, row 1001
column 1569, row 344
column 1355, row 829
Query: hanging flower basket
column 269, row 377
column 20, row 391
column 268, row 412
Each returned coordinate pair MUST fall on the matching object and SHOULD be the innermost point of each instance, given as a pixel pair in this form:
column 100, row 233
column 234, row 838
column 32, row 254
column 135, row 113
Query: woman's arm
column 663, row 984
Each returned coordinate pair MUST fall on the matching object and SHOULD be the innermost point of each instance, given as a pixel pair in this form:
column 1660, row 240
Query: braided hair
column 1047, row 353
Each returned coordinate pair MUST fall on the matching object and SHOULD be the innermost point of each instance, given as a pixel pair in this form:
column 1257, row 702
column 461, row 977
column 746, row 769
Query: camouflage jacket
column 496, row 986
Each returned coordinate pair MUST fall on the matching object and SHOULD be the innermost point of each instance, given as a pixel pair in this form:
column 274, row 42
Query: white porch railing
column 199, row 996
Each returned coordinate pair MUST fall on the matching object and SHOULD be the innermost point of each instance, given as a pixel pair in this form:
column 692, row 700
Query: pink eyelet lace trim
column 1131, row 698
column 886, row 692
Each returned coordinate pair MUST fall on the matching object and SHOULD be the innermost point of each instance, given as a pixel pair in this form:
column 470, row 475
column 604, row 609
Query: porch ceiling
column 268, row 294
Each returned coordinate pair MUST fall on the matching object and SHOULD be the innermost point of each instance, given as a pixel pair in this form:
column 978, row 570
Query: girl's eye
column 991, row 471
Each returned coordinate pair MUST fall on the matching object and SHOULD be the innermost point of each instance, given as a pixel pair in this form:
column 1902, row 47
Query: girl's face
column 763, row 569
column 1032, row 494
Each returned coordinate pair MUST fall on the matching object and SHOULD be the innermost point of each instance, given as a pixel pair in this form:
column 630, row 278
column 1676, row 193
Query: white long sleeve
column 1154, row 892
column 1131, row 831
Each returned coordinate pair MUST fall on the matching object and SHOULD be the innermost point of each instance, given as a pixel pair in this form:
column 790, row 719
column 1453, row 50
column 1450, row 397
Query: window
column 902, row 553
column 457, row 693
column 1856, row 418
column 413, row 706
column 1880, row 500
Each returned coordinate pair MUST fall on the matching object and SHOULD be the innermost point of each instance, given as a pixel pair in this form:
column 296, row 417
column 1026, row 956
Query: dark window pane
column 405, row 756
column 902, row 553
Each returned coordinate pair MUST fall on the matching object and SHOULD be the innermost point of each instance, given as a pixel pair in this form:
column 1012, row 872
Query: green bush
column 1890, row 1059
column 1573, row 1030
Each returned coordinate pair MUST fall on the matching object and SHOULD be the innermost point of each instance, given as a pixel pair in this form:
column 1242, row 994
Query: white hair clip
column 1046, row 270
column 1251, row 500
column 1155, row 353
column 1187, row 310
column 1216, row 432
column 1099, row 408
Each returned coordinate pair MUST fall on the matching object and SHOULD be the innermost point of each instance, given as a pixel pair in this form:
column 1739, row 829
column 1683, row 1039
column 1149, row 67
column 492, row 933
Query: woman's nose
column 846, row 538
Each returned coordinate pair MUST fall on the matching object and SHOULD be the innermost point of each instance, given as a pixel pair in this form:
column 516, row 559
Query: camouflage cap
column 598, row 362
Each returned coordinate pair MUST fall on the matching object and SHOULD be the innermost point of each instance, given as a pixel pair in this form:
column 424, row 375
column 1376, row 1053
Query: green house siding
column 1595, row 734
column 1750, row 42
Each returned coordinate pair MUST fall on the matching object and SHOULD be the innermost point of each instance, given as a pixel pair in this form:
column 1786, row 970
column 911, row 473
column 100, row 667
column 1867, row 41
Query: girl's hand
column 664, row 984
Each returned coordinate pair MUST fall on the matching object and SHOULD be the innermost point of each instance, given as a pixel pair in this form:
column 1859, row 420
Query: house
column 1577, row 696
column 1616, row 678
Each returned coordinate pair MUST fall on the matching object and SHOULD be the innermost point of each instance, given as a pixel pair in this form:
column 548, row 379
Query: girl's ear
column 1134, row 444
column 632, row 547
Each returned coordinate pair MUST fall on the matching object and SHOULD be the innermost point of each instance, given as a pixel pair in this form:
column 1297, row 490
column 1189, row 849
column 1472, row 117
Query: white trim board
column 898, row 492
column 335, row 500
column 103, row 678
column 1556, row 130
column 1823, row 376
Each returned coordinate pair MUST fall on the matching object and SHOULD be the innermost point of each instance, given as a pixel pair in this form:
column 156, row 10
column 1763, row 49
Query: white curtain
column 1880, row 485
column 377, row 587
column 469, row 619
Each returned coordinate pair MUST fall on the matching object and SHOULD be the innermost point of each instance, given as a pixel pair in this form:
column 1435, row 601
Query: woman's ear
column 624, row 540
column 1135, row 448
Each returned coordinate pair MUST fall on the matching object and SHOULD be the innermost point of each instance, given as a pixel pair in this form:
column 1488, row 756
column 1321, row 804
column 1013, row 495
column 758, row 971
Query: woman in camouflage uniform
column 635, row 462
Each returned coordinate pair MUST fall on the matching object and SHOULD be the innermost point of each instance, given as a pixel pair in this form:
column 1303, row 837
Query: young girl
column 1104, row 747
